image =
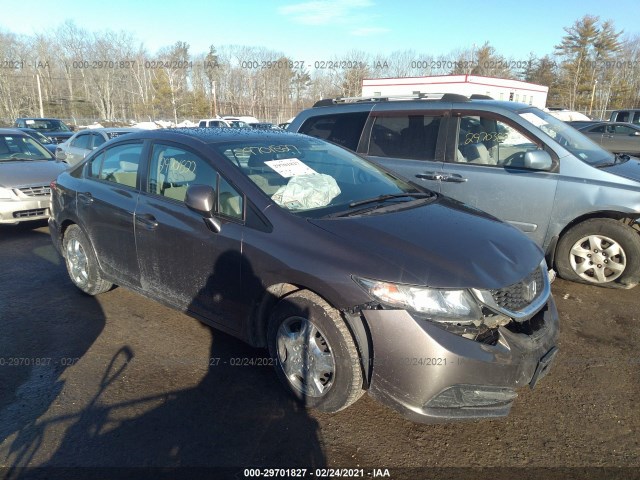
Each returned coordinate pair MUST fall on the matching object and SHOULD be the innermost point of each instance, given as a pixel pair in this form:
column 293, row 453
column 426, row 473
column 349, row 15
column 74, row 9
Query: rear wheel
column 600, row 251
column 82, row 265
column 314, row 353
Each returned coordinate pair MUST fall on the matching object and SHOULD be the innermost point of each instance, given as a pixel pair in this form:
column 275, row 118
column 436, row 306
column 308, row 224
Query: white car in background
column 74, row 150
column 213, row 123
column 26, row 172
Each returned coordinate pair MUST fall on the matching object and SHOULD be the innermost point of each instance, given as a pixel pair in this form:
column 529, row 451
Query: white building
column 497, row 88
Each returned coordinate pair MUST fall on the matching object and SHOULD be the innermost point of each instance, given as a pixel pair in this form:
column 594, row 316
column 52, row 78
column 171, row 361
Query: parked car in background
column 242, row 118
column 577, row 201
column 291, row 243
column 74, row 150
column 265, row 125
column 25, row 174
column 578, row 124
column 213, row 123
column 53, row 128
column 44, row 140
column 631, row 115
column 235, row 122
column 617, row 137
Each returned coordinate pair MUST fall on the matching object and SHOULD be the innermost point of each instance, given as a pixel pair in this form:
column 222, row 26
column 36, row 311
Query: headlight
column 6, row 194
column 440, row 305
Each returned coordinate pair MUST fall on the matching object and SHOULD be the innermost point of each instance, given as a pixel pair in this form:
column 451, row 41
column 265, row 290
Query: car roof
column 38, row 118
column 624, row 124
column 111, row 129
column 212, row 135
column 12, row 131
column 414, row 102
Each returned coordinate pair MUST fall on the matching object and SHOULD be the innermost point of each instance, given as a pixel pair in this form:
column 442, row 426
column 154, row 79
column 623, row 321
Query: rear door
column 78, row 148
column 485, row 153
column 621, row 139
column 181, row 261
column 408, row 142
column 106, row 205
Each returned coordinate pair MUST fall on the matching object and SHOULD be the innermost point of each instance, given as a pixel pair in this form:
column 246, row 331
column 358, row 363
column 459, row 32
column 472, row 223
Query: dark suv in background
column 577, row 201
column 53, row 128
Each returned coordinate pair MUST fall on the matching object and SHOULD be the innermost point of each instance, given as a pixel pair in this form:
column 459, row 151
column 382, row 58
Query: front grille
column 36, row 212
column 36, row 191
column 519, row 295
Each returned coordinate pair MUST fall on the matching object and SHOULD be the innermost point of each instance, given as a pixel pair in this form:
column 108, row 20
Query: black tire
column 81, row 262
column 333, row 378
column 600, row 251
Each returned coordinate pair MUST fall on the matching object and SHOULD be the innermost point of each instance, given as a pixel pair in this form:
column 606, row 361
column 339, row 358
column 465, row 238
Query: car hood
column 32, row 172
column 629, row 169
column 443, row 244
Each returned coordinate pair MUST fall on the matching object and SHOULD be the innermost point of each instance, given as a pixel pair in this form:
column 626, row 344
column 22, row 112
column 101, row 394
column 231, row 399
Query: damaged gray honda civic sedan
column 353, row 279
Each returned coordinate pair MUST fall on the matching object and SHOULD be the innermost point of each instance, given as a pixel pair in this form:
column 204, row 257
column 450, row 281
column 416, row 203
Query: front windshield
column 311, row 177
column 40, row 137
column 47, row 125
column 567, row 136
column 21, row 147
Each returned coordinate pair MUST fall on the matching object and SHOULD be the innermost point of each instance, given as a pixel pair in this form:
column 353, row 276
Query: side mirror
column 538, row 160
column 202, row 199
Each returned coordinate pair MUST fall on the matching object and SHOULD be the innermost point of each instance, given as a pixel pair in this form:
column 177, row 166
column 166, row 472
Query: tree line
column 84, row 76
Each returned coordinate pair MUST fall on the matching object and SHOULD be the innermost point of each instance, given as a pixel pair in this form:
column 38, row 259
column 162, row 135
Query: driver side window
column 488, row 141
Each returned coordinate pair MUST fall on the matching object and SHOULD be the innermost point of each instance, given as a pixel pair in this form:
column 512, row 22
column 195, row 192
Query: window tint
column 622, row 117
column 230, row 202
column 173, row 170
column 598, row 129
column 621, row 130
column 81, row 141
column 405, row 136
column 120, row 164
column 98, row 140
column 636, row 118
column 488, row 141
column 95, row 165
column 344, row 129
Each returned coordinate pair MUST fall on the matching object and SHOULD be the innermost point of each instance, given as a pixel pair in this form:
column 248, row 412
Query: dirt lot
column 120, row 381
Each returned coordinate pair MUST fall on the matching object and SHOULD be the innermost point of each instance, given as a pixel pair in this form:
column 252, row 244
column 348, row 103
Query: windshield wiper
column 389, row 196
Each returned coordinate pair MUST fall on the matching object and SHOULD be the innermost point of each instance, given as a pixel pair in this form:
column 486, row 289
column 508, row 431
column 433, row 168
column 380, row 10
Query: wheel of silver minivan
column 82, row 265
column 601, row 251
column 314, row 353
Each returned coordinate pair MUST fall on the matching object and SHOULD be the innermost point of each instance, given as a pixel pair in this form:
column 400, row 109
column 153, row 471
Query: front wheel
column 600, row 251
column 81, row 262
column 314, row 353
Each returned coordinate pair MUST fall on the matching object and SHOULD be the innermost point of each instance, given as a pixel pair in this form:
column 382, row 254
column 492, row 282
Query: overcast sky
column 318, row 30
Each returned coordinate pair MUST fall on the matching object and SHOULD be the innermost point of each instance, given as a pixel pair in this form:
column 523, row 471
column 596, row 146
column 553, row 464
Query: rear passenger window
column 405, row 136
column 82, row 141
column 343, row 129
column 119, row 164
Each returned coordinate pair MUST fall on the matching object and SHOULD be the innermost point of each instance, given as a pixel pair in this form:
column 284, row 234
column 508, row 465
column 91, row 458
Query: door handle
column 85, row 198
column 429, row 176
column 453, row 178
column 148, row 220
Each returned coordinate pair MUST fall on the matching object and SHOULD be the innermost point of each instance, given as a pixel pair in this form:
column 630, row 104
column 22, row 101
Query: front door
column 181, row 261
column 486, row 159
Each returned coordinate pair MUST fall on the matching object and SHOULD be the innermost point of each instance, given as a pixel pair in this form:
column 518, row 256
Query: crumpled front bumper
column 431, row 375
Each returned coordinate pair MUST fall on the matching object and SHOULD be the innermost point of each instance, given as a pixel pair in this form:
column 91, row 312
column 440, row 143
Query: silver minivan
column 580, row 203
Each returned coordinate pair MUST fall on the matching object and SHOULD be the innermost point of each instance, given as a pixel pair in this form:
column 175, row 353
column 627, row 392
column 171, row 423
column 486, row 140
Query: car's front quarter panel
column 585, row 191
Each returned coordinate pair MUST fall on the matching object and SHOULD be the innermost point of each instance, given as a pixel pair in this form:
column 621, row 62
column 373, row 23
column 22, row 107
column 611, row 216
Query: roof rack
column 445, row 97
